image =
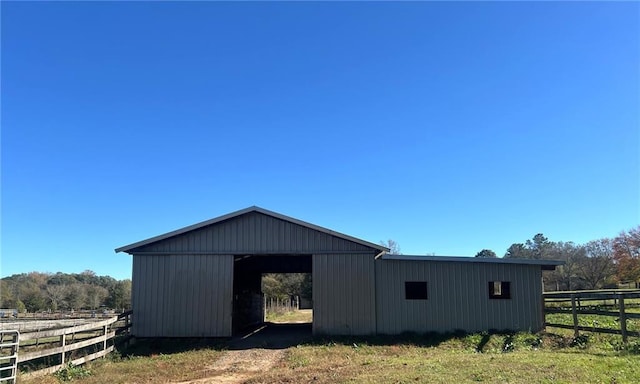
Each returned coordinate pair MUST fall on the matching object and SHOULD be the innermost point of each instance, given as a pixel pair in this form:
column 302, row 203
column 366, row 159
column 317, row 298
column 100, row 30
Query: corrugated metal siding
column 182, row 296
column 254, row 233
column 458, row 297
column 344, row 294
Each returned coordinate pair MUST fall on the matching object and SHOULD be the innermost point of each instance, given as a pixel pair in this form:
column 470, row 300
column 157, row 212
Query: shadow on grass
column 483, row 342
column 282, row 336
column 277, row 336
column 165, row 346
column 431, row 339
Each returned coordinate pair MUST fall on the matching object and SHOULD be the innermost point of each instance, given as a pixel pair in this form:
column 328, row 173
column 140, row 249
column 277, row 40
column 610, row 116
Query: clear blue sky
column 448, row 127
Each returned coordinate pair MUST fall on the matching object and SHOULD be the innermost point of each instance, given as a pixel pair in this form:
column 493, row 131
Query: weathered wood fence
column 91, row 340
column 582, row 303
column 272, row 304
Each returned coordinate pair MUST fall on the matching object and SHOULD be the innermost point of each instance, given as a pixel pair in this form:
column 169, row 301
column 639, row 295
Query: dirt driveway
column 256, row 351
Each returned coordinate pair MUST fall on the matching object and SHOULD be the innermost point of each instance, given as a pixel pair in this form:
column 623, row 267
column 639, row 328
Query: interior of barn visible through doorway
column 248, row 272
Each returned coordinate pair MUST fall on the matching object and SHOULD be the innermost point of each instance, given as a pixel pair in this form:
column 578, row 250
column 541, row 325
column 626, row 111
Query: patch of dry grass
column 156, row 368
column 297, row 316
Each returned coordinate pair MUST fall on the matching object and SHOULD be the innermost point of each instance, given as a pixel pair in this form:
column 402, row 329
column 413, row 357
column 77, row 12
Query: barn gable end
column 204, row 280
column 252, row 231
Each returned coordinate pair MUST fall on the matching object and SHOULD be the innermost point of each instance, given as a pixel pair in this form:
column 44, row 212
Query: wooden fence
column 582, row 303
column 9, row 341
column 272, row 304
column 89, row 340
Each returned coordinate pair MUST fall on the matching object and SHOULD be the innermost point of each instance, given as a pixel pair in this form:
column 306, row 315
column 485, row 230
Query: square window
column 415, row 290
column 499, row 290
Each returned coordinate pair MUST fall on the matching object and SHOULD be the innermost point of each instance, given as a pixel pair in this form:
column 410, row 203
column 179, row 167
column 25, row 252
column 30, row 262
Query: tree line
column 602, row 263
column 37, row 291
column 285, row 285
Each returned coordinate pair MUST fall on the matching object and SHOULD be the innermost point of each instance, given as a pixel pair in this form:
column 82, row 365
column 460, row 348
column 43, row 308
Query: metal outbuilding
column 204, row 280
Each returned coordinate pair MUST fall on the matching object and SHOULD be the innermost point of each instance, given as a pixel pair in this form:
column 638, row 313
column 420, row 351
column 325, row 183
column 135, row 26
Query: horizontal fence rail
column 577, row 303
column 91, row 340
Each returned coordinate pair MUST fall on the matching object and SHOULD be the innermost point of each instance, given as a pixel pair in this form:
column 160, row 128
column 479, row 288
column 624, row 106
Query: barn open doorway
column 287, row 298
column 249, row 274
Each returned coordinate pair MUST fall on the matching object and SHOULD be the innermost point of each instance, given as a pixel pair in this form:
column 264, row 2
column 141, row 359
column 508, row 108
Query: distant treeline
column 283, row 286
column 602, row 263
column 36, row 291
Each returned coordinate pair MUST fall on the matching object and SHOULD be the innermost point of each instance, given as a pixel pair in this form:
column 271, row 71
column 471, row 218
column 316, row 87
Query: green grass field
column 598, row 321
column 455, row 361
column 554, row 356
column 593, row 321
column 300, row 316
column 490, row 358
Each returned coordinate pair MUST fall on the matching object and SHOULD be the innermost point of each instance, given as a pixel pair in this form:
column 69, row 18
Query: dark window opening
column 499, row 290
column 415, row 290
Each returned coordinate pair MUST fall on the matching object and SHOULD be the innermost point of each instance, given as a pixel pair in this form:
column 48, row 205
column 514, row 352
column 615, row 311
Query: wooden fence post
column 63, row 342
column 104, row 343
column 574, row 312
column 623, row 320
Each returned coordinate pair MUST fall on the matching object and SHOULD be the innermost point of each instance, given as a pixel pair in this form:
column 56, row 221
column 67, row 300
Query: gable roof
column 241, row 212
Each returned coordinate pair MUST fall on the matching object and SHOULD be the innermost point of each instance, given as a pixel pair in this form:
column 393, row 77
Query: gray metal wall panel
column 344, row 294
column 254, row 233
column 182, row 296
column 136, row 297
column 458, row 297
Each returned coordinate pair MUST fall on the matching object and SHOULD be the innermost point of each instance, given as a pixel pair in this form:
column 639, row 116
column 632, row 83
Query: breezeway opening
column 248, row 297
column 287, row 297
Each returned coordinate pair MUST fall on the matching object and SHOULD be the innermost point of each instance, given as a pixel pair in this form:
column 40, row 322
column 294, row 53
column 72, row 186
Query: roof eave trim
column 545, row 264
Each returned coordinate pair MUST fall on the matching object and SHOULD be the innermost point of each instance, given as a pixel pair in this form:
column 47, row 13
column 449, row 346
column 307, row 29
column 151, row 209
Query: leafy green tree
column 33, row 298
column 518, row 251
column 284, row 285
column 292, row 283
column 120, row 295
column 540, row 247
column 87, row 277
column 487, row 253
column 95, row 295
column 20, row 306
column 75, row 296
column 7, row 299
column 41, row 291
column 306, row 288
column 272, row 286
column 106, row 282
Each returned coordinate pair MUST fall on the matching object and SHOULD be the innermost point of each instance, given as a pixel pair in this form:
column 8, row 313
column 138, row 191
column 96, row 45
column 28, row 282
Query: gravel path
column 253, row 353
column 239, row 366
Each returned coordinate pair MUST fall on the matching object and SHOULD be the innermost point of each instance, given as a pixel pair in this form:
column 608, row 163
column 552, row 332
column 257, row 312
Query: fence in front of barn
column 46, row 351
